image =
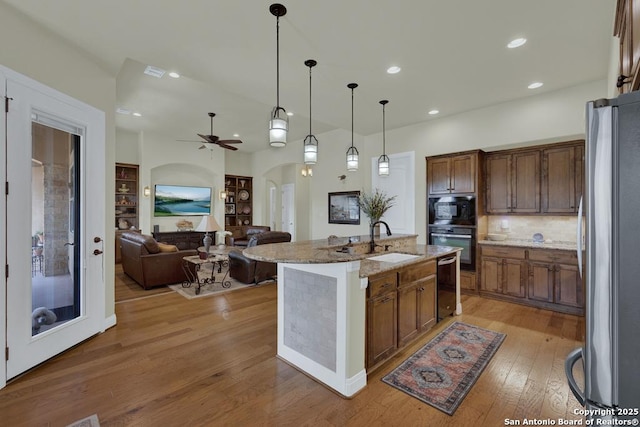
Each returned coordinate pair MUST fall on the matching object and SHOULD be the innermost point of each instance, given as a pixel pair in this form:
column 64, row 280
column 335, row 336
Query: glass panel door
column 55, row 290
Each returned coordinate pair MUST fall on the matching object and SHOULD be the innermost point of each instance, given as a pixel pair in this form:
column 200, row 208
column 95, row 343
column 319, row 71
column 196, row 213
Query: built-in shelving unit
column 238, row 208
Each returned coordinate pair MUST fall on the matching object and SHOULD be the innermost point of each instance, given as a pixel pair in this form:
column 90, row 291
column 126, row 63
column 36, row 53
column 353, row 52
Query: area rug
column 443, row 371
column 91, row 421
column 209, row 289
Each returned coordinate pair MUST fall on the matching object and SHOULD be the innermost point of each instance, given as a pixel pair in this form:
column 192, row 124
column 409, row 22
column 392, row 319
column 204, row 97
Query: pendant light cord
column 310, row 66
column 383, row 131
column 278, row 62
column 352, row 117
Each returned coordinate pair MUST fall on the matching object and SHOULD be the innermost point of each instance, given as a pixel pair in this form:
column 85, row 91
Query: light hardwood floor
column 212, row 362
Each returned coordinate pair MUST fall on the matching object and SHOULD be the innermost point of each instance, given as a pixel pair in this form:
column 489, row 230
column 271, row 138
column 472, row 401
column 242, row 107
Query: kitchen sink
column 393, row 257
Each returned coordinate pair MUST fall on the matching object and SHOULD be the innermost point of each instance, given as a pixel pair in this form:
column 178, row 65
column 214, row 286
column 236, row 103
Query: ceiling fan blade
column 230, row 141
column 228, row 147
column 202, row 147
column 208, row 138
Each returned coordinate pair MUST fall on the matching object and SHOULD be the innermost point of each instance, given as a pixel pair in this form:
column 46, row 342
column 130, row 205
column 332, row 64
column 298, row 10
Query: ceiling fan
column 213, row 139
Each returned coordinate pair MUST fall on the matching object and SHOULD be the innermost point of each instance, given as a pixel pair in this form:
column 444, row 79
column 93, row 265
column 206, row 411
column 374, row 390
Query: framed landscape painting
column 343, row 208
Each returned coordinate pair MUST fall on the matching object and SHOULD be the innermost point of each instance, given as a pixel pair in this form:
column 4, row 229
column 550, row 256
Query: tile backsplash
column 556, row 228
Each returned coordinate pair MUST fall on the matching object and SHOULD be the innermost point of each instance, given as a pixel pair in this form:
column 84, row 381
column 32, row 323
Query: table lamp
column 207, row 225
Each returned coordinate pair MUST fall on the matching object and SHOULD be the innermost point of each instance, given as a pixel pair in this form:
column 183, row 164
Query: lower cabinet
column 503, row 271
column 401, row 306
column 468, row 281
column 546, row 278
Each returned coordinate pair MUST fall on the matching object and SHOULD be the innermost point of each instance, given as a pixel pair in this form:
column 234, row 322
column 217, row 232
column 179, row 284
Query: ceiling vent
column 154, row 71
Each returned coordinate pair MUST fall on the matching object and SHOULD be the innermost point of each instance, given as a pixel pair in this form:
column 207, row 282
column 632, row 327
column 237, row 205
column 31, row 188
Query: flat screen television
column 181, row 200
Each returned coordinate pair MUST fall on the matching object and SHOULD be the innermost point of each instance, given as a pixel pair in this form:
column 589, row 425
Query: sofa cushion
column 269, row 237
column 148, row 242
column 167, row 248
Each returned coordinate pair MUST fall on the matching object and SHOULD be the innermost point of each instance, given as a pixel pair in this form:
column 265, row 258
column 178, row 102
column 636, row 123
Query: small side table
column 192, row 265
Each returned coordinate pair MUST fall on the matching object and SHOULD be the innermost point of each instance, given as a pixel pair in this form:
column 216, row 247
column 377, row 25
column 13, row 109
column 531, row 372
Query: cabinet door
column 559, row 180
column 540, row 282
column 427, row 309
column 438, row 175
column 525, row 182
column 407, row 313
column 382, row 327
column 463, row 174
column 467, row 281
column 569, row 289
column 498, row 197
column 491, row 274
column 513, row 277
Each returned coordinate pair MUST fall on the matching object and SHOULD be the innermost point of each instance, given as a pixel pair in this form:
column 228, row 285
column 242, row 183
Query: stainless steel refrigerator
column 611, row 352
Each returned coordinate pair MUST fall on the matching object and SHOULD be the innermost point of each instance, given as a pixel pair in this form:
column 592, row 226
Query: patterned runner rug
column 443, row 371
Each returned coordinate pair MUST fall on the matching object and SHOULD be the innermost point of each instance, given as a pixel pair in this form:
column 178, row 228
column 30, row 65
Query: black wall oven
column 452, row 210
column 463, row 237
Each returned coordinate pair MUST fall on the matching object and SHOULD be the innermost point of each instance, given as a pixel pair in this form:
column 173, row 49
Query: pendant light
column 352, row 152
column 279, row 122
column 310, row 142
column 383, row 161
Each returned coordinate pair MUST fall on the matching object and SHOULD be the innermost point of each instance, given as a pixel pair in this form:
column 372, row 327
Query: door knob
column 97, row 239
column 97, row 252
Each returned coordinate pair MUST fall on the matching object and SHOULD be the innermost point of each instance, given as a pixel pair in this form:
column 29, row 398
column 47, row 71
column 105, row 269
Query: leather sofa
column 242, row 234
column 247, row 270
column 145, row 262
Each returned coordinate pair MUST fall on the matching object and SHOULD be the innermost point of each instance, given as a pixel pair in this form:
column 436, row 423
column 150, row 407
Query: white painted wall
column 127, row 147
column 37, row 53
column 163, row 161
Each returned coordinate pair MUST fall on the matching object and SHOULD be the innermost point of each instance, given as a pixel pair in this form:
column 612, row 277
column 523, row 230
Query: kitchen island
column 322, row 298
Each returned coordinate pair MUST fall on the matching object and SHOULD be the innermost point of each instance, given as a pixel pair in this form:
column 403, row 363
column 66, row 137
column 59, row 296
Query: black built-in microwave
column 454, row 210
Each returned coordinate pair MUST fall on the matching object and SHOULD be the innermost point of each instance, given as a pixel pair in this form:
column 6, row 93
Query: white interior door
column 54, row 222
column 288, row 210
column 401, row 218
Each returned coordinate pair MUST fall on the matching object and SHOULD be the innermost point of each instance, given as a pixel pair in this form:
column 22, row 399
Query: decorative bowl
column 496, row 237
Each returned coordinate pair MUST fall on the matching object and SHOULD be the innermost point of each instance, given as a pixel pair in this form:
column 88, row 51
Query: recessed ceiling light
column 154, row 71
column 137, row 114
column 174, row 75
column 236, row 135
column 121, row 110
column 516, row 43
column 434, row 112
column 289, row 113
column 394, row 69
column 535, row 85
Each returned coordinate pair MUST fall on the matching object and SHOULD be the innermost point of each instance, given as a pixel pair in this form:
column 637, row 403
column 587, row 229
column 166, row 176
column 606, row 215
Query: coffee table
column 192, row 265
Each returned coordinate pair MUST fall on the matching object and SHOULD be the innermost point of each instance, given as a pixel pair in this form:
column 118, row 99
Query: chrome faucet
column 372, row 243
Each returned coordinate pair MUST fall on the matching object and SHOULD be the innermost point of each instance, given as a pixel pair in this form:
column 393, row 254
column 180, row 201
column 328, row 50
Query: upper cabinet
column 452, row 174
column 513, row 182
column 547, row 179
column 563, row 179
column 627, row 28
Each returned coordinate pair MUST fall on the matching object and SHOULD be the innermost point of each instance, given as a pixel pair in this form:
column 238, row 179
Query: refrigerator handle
column 571, row 360
column 579, row 237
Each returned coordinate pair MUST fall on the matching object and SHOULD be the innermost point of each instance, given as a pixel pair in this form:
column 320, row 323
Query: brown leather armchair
column 144, row 262
column 241, row 235
column 247, row 270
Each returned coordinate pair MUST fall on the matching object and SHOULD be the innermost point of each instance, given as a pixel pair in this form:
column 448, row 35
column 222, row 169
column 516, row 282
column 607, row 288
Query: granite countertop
column 528, row 243
column 319, row 252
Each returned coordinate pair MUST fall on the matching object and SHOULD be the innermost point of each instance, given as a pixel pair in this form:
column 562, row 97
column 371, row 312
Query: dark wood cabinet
column 627, row 28
column 416, row 300
column 562, row 178
column 546, row 179
column 503, row 271
column 545, row 278
column 454, row 174
column 401, row 305
column 513, row 182
column 382, row 317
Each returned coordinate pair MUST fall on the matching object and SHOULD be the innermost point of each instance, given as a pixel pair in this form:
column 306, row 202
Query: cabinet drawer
column 382, row 283
column 418, row 271
column 503, row 252
column 553, row 256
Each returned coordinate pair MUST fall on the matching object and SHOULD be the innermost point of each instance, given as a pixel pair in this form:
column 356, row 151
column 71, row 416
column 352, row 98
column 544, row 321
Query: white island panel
column 321, row 322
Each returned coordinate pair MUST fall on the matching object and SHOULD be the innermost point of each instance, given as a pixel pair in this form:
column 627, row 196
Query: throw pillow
column 167, row 248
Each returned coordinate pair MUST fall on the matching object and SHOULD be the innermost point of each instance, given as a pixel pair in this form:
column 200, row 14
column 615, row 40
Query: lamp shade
column 352, row 159
column 208, row 224
column 310, row 150
column 383, row 165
